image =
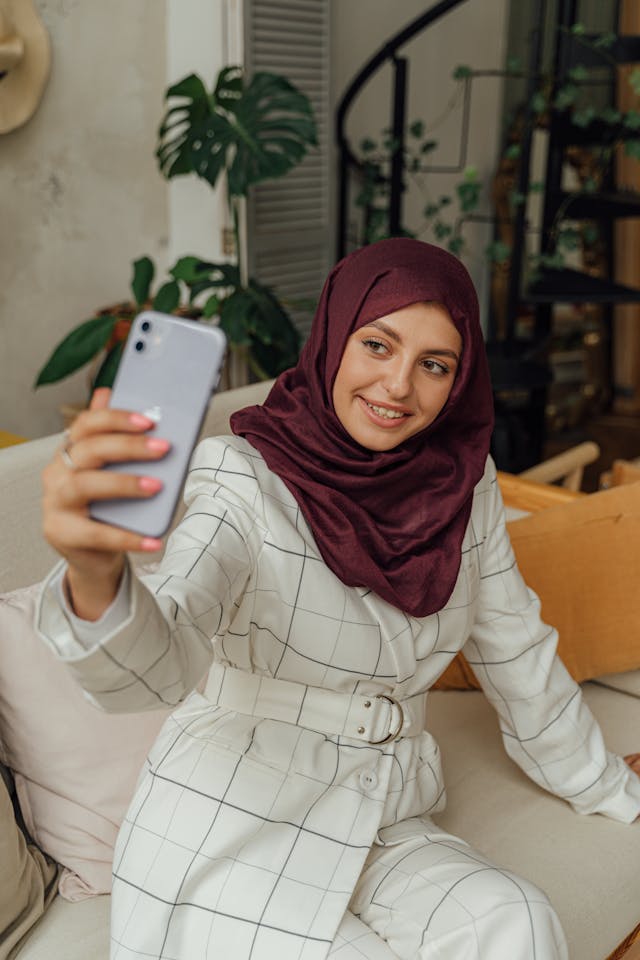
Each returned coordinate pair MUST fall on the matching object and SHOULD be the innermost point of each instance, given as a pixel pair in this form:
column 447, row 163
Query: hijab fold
column 392, row 521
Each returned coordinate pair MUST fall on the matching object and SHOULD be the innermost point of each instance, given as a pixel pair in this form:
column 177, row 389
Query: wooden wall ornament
column 25, row 62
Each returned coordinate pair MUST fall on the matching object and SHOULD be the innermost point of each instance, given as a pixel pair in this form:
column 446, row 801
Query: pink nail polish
column 157, row 445
column 139, row 420
column 150, row 484
column 150, row 543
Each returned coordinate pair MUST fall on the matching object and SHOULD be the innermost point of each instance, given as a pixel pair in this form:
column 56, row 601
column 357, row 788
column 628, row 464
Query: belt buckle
column 393, row 734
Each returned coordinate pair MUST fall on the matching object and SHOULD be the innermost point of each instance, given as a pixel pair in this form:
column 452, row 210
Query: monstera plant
column 245, row 133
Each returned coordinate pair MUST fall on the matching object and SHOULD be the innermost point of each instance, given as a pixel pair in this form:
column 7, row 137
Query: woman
column 336, row 553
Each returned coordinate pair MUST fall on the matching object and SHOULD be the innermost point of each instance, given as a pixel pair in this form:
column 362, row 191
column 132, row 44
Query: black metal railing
column 347, row 159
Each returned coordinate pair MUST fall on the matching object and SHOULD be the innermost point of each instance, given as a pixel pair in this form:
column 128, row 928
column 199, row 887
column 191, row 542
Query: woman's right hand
column 95, row 551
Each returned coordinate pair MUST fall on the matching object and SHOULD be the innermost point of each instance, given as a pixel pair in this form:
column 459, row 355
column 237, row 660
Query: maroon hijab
column 391, row 521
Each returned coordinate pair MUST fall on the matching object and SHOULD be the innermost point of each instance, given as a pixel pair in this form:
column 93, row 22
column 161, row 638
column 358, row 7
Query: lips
column 385, row 414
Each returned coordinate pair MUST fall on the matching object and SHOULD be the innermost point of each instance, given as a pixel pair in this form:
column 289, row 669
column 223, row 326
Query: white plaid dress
column 252, row 838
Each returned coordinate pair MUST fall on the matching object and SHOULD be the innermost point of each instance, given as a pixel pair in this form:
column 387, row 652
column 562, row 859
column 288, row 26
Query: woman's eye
column 434, row 366
column 374, row 345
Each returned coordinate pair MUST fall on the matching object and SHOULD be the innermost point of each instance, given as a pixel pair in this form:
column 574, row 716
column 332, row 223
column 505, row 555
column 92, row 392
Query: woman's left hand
column 633, row 759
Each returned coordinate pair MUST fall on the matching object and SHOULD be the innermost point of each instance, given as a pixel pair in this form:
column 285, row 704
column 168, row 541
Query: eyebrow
column 436, row 351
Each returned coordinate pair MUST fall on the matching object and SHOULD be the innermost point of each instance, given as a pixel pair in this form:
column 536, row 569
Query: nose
column 398, row 381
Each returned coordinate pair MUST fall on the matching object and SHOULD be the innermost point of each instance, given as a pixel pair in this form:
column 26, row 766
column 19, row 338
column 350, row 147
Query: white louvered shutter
column 290, row 239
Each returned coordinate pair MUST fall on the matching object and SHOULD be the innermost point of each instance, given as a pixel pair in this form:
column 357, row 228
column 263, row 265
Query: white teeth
column 385, row 412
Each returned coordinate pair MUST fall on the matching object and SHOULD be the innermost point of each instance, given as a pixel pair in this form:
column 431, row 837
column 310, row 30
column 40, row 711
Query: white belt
column 375, row 719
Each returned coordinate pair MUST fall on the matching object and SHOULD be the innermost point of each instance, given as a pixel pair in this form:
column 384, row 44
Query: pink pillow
column 75, row 767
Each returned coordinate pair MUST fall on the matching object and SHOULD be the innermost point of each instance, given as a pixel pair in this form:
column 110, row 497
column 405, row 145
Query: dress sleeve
column 546, row 726
column 162, row 642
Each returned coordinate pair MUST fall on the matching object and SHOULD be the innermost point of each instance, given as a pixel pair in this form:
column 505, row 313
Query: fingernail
column 139, row 420
column 150, row 484
column 150, row 543
column 157, row 445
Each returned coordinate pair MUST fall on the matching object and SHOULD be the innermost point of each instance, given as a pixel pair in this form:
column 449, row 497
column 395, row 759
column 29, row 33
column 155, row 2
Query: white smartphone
column 168, row 371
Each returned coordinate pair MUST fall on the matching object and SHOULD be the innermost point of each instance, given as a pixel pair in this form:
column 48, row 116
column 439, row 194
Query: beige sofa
column 589, row 866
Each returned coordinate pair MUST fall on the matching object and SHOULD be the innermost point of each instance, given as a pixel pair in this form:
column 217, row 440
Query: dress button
column 368, row 780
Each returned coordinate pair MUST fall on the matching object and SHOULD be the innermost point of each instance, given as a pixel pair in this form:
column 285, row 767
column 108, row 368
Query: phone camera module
column 139, row 345
column 145, row 326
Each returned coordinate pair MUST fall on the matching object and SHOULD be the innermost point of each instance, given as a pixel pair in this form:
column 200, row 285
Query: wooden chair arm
column 568, row 466
column 529, row 495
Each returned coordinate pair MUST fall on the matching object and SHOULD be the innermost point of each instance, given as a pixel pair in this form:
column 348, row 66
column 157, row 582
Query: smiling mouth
column 386, row 413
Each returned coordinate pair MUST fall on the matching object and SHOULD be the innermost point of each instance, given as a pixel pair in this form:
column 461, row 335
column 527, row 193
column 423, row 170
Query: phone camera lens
column 139, row 346
column 145, row 326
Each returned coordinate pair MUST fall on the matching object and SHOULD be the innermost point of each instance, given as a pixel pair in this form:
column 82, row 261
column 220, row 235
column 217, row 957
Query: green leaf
column 468, row 195
column 275, row 342
column 190, row 269
column 211, row 307
column 578, row 73
column 236, row 317
column 107, row 372
column 143, row 274
column 168, row 297
column 582, row 118
column 253, row 133
column 514, row 65
column 632, row 120
column 461, row 72
column 539, row 103
column 632, row 149
column 456, row 245
column 566, row 97
column 604, row 41
column 634, row 80
column 513, row 152
column 428, row 146
column 537, row 186
column 77, row 348
column 568, row 239
column 590, row 234
column 442, row 230
column 368, row 145
column 578, row 29
column 417, row 128
column 516, row 199
column 611, row 116
column 498, row 252
column 191, row 87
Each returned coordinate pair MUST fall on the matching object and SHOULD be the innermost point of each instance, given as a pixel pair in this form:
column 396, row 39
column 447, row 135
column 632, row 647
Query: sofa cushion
column 588, row 865
column 75, row 767
column 70, row 931
column 568, row 554
column 29, row 879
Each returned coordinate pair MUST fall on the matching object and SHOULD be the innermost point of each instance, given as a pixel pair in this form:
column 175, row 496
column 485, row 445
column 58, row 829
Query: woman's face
column 396, row 374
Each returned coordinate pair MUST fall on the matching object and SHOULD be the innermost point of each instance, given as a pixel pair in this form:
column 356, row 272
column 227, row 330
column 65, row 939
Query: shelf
column 625, row 49
column 598, row 206
column 572, row 286
column 596, row 133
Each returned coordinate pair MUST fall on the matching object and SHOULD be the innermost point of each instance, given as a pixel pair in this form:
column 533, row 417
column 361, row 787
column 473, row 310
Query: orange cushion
column 583, row 560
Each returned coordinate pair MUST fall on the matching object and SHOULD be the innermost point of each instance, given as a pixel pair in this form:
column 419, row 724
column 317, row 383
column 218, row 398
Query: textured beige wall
column 474, row 34
column 80, row 194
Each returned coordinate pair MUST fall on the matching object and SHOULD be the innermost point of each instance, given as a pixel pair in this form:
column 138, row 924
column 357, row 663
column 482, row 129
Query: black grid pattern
column 247, row 838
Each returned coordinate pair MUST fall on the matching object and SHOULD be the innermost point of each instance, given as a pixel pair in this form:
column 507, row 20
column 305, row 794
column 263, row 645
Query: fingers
column 633, row 759
column 85, row 486
column 73, row 534
column 102, row 448
column 100, row 398
column 103, row 419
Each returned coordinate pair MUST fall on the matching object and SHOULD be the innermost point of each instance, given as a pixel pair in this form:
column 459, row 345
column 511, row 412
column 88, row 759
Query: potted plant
column 245, row 133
